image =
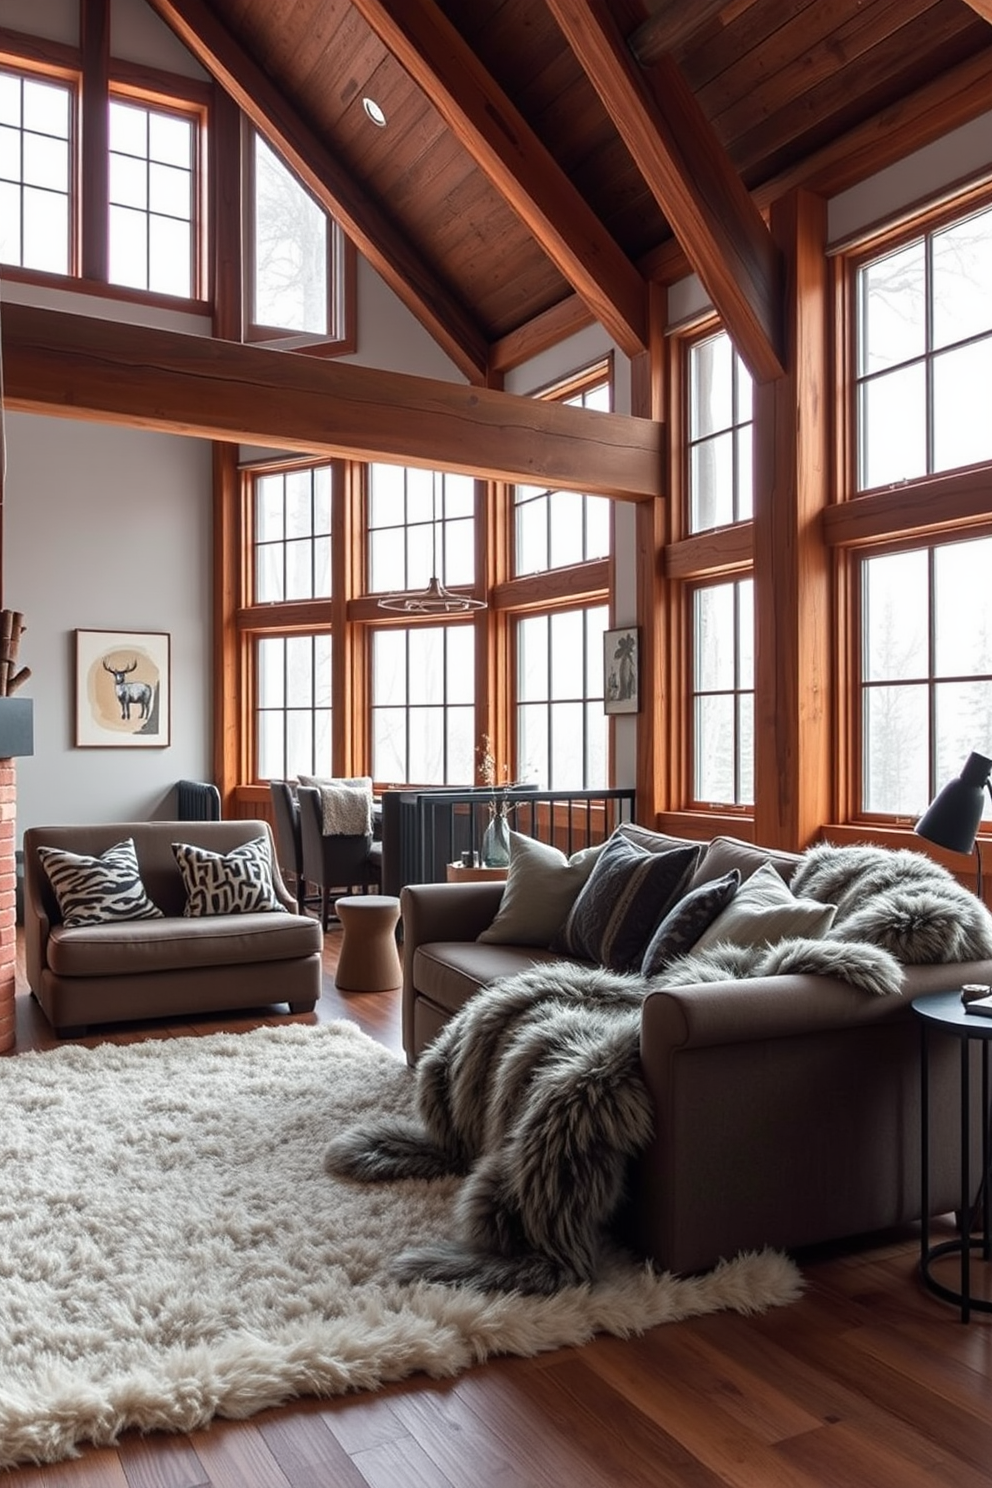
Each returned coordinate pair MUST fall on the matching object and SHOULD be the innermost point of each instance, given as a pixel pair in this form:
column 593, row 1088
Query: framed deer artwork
column 123, row 689
column 621, row 683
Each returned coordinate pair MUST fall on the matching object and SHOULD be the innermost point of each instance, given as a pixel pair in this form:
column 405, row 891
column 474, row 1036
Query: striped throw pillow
column 628, row 891
column 238, row 882
column 96, row 891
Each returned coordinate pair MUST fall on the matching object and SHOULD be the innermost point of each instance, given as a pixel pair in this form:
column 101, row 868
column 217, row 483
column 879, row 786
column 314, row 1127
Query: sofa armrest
column 447, row 911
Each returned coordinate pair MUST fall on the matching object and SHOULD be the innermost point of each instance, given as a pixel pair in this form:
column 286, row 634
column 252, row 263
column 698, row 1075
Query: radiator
column 197, row 801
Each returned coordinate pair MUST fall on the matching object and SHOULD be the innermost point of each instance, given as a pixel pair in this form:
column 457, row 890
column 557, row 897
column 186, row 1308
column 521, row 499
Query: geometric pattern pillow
column 95, row 891
column 686, row 921
column 238, row 882
column 623, row 899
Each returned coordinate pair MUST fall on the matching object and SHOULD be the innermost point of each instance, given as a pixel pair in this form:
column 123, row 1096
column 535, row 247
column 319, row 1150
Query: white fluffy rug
column 171, row 1248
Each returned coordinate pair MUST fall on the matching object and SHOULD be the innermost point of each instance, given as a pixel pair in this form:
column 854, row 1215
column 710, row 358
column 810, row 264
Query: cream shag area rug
column 171, row 1248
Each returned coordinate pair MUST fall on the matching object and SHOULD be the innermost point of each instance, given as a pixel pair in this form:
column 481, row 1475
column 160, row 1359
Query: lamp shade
column 953, row 816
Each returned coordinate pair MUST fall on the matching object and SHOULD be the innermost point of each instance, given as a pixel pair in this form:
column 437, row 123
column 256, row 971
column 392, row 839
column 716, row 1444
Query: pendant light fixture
column 435, row 599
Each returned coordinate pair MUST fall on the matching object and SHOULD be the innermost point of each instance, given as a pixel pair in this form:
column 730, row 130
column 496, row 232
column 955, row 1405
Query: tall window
column 35, row 175
column 561, row 725
column 152, row 174
column 423, row 704
column 723, row 693
column 925, row 354
column 293, row 716
column 720, row 444
column 555, row 529
column 291, row 281
column 421, row 524
column 926, row 670
column 293, row 535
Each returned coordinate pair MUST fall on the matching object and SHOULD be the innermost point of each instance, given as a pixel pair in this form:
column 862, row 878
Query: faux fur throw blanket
column 534, row 1089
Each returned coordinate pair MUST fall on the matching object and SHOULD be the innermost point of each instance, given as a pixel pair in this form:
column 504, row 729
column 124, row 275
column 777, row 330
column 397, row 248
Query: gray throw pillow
column 627, row 893
column 763, row 911
column 686, row 921
column 541, row 887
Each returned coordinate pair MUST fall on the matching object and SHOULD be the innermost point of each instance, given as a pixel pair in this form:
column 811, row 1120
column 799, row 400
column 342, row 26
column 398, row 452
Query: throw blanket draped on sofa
column 534, row 1089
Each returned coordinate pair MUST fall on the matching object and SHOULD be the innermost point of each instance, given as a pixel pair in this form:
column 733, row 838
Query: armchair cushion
column 237, row 882
column 97, row 890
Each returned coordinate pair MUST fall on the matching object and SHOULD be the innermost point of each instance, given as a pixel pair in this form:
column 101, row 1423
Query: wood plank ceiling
column 542, row 157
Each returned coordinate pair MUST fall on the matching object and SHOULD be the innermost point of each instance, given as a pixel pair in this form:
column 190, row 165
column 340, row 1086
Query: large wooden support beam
column 516, row 161
column 77, row 366
column 387, row 249
column 691, row 178
column 982, row 8
column 793, row 629
column 670, row 23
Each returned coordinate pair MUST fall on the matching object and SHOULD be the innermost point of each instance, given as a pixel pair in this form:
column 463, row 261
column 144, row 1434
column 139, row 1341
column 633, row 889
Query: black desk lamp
column 952, row 819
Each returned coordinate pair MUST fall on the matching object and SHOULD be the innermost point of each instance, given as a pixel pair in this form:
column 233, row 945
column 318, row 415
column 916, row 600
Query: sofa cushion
column 450, row 972
column 628, row 891
column 724, row 853
column 542, row 884
column 98, row 890
column 171, row 944
column 765, row 910
column 686, row 921
column 236, row 882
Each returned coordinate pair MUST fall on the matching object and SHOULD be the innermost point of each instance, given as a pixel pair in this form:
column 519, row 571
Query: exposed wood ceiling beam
column 79, row 366
column 712, row 215
column 670, row 23
column 982, row 8
column 386, row 248
column 506, row 149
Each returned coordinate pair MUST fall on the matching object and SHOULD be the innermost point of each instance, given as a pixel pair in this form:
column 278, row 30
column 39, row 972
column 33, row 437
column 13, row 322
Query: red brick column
column 8, row 899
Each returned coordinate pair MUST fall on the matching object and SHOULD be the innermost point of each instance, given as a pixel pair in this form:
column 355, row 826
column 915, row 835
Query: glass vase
column 496, row 843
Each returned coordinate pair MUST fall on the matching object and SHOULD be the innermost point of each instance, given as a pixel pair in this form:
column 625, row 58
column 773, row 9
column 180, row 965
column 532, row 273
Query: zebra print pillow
column 93, row 891
column 238, row 882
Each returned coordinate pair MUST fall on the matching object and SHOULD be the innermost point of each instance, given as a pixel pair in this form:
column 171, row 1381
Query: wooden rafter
column 386, row 248
column 982, row 8
column 79, row 366
column 670, row 23
column 516, row 162
column 691, row 178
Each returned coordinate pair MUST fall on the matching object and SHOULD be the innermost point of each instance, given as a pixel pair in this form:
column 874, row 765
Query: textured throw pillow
column 541, row 887
column 238, row 882
column 765, row 910
column 685, row 921
column 346, row 804
column 627, row 893
column 95, row 891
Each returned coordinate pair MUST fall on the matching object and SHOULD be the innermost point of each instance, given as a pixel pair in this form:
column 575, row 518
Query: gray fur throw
column 534, row 1089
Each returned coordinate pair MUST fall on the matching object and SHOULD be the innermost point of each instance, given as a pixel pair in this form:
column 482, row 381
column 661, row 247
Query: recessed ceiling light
column 374, row 112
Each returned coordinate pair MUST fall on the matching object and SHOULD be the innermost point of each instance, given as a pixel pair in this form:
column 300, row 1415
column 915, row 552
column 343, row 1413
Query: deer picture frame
column 621, row 668
column 123, row 689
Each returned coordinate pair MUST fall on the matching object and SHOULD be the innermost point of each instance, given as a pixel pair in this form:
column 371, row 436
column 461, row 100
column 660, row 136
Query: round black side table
column 944, row 1012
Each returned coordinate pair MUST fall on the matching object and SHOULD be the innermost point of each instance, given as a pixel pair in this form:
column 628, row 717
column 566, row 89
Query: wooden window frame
column 341, row 335
column 71, row 78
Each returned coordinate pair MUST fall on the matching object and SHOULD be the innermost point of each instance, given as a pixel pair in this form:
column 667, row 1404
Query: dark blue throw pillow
column 685, row 921
column 627, row 893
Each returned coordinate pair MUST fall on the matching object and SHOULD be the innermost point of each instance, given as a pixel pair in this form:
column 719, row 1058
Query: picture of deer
column 130, row 694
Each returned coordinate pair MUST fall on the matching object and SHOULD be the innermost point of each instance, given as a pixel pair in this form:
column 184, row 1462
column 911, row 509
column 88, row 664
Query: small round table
column 369, row 960
column 945, row 1012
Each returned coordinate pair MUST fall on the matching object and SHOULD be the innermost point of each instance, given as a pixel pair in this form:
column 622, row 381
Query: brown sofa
column 154, row 968
column 787, row 1107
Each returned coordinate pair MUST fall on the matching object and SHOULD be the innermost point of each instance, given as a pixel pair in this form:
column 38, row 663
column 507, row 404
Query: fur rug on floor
column 534, row 1090
column 172, row 1250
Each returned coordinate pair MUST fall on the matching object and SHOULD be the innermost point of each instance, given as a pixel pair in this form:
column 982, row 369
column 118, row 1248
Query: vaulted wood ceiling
column 544, row 158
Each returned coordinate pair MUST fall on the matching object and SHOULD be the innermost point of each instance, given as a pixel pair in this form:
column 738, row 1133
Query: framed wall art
column 621, row 681
column 123, row 691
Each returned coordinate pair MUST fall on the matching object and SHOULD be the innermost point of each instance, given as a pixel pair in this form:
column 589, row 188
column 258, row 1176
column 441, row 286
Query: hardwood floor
column 867, row 1380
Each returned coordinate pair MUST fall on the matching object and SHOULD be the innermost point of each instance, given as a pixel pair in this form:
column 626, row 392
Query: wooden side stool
column 369, row 959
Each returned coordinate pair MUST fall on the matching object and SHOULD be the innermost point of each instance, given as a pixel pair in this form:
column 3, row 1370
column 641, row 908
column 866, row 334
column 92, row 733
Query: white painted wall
column 107, row 529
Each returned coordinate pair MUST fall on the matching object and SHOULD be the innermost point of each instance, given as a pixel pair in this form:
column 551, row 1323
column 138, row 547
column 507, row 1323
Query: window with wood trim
column 293, row 715
column 423, row 704
column 421, row 525
column 562, row 735
column 556, row 529
column 292, row 534
column 723, row 693
column 37, row 148
column 926, row 670
column 153, row 219
column 924, row 353
column 295, row 276
column 720, row 455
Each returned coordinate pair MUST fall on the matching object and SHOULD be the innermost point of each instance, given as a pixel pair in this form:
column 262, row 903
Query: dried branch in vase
column 12, row 628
